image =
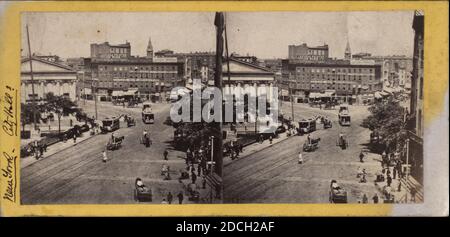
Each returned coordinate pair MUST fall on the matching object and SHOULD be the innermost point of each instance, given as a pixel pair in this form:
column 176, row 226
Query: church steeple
column 150, row 49
column 348, row 53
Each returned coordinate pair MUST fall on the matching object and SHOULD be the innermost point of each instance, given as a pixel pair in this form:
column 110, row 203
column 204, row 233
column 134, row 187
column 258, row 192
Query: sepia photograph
column 221, row 107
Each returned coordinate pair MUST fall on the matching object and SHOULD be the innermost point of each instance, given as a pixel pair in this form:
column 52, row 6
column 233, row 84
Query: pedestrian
column 169, row 198
column 165, row 154
column 199, row 169
column 204, row 182
column 399, row 187
column 413, row 193
column 193, row 177
column 270, row 139
column 394, row 173
column 41, row 150
column 300, row 158
column 388, row 180
column 105, row 158
column 180, row 197
column 375, row 198
column 261, row 139
column 74, row 137
column 361, row 157
column 364, row 199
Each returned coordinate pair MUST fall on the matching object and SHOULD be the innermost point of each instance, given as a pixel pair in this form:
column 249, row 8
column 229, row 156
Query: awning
column 117, row 93
column 378, row 95
column 314, row 95
column 130, row 92
column 328, row 94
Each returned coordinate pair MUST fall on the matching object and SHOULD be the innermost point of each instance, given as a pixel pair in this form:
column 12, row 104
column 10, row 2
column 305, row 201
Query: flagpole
column 32, row 78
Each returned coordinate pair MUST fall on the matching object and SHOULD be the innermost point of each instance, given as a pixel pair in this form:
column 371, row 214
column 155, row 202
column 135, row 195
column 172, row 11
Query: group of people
column 234, row 149
column 199, row 157
column 37, row 149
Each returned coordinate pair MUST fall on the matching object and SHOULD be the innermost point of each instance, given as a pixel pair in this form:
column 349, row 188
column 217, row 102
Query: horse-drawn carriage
column 115, row 142
column 141, row 192
column 337, row 194
column 194, row 194
column 145, row 139
column 342, row 141
column 311, row 145
column 326, row 123
column 129, row 120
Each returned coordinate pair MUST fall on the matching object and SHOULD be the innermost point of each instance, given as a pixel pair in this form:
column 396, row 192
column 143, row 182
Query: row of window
column 136, row 68
column 118, row 50
column 337, row 77
column 334, row 70
column 137, row 75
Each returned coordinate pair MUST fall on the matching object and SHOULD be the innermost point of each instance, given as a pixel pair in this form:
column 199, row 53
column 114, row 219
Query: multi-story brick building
column 347, row 79
column 305, row 53
column 107, row 51
column 118, row 70
column 396, row 69
column 415, row 141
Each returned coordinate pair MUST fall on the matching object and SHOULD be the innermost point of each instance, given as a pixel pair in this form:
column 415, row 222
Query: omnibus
column 307, row 126
column 147, row 113
column 110, row 124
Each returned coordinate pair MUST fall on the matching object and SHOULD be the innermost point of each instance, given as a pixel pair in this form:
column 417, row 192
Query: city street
column 273, row 175
column 78, row 175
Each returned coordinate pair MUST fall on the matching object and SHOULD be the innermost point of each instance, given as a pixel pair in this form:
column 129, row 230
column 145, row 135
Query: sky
column 260, row 34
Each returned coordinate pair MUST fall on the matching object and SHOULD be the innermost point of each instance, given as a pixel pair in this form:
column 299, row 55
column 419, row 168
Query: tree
column 387, row 118
column 26, row 114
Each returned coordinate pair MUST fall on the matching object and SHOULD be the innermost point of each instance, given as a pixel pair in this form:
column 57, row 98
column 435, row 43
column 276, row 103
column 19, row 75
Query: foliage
column 387, row 118
column 53, row 104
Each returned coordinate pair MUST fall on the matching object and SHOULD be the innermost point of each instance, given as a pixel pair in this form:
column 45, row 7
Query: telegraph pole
column 32, row 79
column 292, row 103
column 219, row 22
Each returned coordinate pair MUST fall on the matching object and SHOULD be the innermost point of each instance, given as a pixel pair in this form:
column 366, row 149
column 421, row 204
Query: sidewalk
column 405, row 184
column 255, row 147
column 55, row 148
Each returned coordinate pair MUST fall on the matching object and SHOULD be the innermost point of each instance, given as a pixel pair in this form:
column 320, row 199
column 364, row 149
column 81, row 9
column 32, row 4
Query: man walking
column 375, row 198
column 389, row 180
column 361, row 157
column 194, row 177
column 165, row 154
column 105, row 158
column 169, row 197
column 180, row 197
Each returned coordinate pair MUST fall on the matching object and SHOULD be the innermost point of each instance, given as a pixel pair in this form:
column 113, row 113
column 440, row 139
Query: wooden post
column 32, row 79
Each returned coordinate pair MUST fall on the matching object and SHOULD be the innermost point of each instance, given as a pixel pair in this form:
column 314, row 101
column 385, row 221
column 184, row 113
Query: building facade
column 48, row 77
column 347, row 79
column 304, row 52
column 396, row 69
column 121, row 71
column 108, row 51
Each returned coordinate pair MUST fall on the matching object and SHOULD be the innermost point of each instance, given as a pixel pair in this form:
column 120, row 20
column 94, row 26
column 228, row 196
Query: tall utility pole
column 292, row 103
column 94, row 92
column 219, row 22
column 32, row 79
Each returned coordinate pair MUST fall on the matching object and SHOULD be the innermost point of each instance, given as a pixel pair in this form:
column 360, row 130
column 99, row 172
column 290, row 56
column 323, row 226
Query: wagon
column 337, row 194
column 327, row 124
column 311, row 146
column 130, row 121
column 142, row 194
column 115, row 144
column 342, row 142
column 145, row 140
